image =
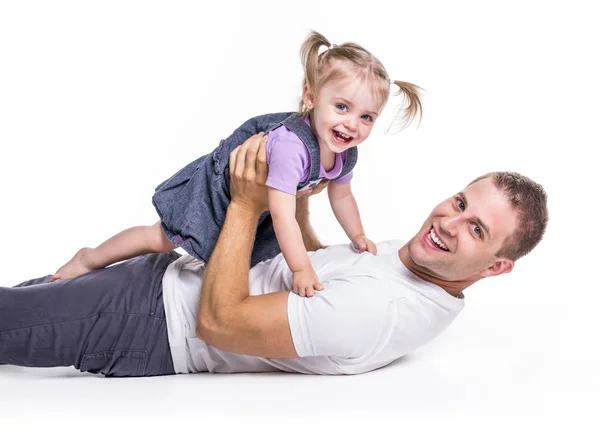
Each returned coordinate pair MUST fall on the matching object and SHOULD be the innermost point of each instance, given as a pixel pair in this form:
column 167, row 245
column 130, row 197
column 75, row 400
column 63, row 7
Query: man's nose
column 450, row 223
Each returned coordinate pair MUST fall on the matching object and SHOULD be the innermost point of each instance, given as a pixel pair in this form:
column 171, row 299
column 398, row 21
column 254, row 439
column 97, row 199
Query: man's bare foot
column 78, row 265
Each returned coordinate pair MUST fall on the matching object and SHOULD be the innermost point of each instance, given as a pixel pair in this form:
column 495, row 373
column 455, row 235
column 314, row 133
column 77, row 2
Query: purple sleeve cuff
column 344, row 180
column 284, row 187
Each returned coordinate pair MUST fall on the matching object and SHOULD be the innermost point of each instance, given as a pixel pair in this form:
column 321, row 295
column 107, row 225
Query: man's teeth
column 437, row 241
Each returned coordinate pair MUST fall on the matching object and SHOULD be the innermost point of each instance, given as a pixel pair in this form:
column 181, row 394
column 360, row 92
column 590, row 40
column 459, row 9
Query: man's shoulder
column 386, row 246
column 390, row 245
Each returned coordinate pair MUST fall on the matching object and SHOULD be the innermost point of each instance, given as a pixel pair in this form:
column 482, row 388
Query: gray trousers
column 109, row 321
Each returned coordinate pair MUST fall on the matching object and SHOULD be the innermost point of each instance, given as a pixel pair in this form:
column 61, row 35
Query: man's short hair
column 530, row 201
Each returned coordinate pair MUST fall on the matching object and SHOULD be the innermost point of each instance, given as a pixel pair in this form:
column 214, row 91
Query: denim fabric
column 192, row 203
column 109, row 321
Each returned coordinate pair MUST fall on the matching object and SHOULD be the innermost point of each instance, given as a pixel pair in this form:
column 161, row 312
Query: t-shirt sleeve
column 287, row 161
column 346, row 319
column 344, row 179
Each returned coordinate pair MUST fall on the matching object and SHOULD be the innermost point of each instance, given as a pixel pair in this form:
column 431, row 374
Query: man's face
column 459, row 239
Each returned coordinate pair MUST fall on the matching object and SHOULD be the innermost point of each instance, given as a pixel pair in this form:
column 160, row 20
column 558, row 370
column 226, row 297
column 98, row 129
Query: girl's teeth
column 342, row 136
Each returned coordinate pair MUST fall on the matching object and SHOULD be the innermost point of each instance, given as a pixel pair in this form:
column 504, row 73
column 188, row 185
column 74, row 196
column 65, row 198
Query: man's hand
column 248, row 173
column 247, row 185
column 313, row 191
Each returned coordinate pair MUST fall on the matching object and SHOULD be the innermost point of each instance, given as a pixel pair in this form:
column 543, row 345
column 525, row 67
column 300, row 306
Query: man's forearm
column 226, row 278
column 309, row 237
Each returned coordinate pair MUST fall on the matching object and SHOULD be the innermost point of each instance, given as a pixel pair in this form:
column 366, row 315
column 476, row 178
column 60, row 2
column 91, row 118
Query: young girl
column 344, row 90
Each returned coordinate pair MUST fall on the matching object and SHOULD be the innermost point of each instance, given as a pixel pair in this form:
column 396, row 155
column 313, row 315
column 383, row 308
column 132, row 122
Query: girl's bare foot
column 78, row 265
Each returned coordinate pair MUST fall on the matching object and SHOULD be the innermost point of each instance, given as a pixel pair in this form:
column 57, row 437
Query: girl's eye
column 367, row 118
column 477, row 230
column 341, row 106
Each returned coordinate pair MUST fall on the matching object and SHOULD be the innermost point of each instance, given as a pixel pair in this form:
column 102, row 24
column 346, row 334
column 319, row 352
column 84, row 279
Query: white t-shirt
column 372, row 311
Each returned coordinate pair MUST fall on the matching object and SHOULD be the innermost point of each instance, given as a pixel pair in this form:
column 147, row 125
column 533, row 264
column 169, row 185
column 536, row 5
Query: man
column 164, row 314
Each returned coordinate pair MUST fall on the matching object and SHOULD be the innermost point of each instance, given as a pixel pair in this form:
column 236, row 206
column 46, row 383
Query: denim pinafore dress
column 192, row 203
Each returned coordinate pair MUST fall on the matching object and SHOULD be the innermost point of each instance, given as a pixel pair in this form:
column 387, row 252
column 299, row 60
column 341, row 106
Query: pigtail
column 412, row 99
column 309, row 55
column 355, row 61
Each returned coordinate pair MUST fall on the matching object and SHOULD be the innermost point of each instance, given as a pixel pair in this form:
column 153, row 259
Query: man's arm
column 228, row 317
column 311, row 242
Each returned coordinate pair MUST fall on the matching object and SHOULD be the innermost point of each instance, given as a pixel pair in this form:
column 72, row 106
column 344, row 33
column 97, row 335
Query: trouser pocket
column 118, row 363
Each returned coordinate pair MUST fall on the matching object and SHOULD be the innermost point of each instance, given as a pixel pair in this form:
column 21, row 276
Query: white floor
column 479, row 380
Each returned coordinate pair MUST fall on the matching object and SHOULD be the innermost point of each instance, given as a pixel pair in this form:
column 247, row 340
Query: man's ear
column 502, row 265
column 308, row 97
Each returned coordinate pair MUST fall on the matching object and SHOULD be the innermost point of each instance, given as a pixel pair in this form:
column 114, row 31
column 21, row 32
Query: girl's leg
column 129, row 243
column 108, row 321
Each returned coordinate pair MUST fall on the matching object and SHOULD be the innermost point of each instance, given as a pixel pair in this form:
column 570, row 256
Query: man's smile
column 435, row 241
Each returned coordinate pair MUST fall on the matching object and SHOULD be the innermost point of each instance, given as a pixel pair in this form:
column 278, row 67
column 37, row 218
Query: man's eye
column 477, row 230
column 461, row 205
column 341, row 106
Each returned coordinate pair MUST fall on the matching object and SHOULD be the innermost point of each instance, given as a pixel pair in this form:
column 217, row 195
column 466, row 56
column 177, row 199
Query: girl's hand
column 364, row 244
column 305, row 282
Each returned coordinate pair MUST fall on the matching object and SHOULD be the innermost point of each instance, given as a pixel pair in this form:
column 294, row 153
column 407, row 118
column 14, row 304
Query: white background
column 101, row 101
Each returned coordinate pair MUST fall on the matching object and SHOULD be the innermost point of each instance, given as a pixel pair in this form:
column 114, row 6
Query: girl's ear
column 308, row 97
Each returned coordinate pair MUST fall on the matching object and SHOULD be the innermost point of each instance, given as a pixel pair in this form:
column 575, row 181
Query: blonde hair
column 351, row 60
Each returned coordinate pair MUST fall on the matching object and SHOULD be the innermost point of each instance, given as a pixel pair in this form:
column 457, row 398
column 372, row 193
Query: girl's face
column 343, row 113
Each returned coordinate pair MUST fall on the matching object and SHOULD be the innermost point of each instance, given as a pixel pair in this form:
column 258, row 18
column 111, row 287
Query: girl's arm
column 346, row 212
column 282, row 206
